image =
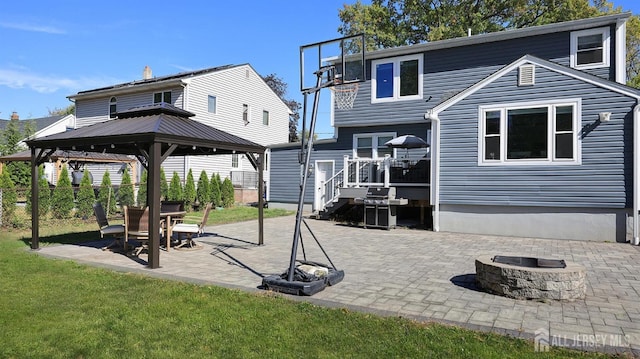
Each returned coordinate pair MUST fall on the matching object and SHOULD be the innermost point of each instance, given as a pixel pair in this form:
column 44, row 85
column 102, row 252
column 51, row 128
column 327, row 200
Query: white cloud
column 33, row 28
column 19, row 79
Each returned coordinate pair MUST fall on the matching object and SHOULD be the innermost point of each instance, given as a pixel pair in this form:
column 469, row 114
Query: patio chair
column 136, row 224
column 191, row 229
column 114, row 230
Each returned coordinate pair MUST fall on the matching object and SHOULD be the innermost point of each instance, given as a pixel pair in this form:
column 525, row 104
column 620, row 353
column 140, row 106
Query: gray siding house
column 232, row 98
column 532, row 133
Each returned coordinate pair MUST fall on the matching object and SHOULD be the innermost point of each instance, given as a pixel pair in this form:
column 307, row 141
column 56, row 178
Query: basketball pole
column 307, row 161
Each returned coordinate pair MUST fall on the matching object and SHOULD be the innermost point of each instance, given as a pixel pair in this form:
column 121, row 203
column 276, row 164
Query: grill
column 380, row 207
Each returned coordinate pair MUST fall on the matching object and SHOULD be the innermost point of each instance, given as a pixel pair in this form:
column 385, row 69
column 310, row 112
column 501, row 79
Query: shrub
column 203, row 193
column 189, row 191
column 44, row 194
column 142, row 190
column 85, row 197
column 175, row 188
column 9, row 197
column 62, row 200
column 106, row 194
column 227, row 193
column 164, row 186
column 216, row 195
column 125, row 192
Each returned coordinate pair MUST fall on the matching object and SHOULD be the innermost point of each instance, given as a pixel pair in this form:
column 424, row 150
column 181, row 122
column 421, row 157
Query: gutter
column 435, row 167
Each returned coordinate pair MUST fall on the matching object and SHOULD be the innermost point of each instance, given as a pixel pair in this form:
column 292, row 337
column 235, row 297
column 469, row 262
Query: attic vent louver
column 526, row 75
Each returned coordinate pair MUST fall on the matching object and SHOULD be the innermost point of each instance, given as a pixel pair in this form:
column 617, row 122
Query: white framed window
column 590, row 48
column 245, row 114
column 397, row 79
column 212, row 104
column 113, row 107
column 234, row 160
column 265, row 117
column 534, row 133
column 162, row 97
column 371, row 145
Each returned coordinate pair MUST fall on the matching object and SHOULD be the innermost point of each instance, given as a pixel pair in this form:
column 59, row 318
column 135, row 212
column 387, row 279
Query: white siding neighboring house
column 232, row 98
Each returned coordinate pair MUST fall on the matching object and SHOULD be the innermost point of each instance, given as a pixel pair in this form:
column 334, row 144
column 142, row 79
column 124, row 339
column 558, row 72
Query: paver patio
column 416, row 274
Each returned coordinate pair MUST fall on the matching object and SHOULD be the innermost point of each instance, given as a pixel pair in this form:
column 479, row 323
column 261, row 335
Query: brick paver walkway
column 416, row 274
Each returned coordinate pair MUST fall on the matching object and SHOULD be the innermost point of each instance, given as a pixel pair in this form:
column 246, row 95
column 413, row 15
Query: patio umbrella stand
column 305, row 277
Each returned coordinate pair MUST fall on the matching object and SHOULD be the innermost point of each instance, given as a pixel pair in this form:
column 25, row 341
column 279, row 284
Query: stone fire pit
column 526, row 280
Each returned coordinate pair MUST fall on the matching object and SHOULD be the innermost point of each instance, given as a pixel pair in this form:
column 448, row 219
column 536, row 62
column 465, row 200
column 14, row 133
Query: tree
column 85, row 197
column 189, row 191
column 9, row 197
column 389, row 23
column 142, row 190
column 106, row 194
column 62, row 200
column 69, row 110
column 44, row 194
column 176, row 192
column 216, row 195
column 125, row 192
column 203, row 193
column 11, row 136
column 227, row 193
column 280, row 88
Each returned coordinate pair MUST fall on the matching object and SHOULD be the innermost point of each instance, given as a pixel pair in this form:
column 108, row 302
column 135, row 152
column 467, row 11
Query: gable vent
column 526, row 75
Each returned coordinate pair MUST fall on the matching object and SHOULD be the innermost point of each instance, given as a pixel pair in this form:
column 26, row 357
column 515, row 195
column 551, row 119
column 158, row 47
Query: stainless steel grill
column 380, row 207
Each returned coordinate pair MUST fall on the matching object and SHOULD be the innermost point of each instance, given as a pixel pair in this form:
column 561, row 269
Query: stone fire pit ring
column 519, row 282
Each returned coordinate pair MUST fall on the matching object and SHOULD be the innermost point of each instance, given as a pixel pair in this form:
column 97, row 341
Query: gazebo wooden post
column 261, row 159
column 153, row 195
column 35, row 221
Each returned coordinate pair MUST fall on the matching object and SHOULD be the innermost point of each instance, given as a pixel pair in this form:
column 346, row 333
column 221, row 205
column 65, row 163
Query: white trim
column 621, row 52
column 374, row 136
column 606, row 43
column 395, row 61
column 318, row 205
column 435, row 170
column 636, row 174
column 576, row 103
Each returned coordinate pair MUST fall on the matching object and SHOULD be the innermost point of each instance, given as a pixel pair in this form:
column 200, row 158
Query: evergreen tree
column 62, row 200
column 216, row 196
column 11, row 136
column 106, row 195
column 44, row 194
column 125, row 192
column 189, row 191
column 227, row 193
column 204, row 190
column 9, row 197
column 85, row 197
column 176, row 193
column 142, row 190
column 164, row 186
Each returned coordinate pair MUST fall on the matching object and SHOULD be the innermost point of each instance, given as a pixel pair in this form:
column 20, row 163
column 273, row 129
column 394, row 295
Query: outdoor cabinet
column 379, row 216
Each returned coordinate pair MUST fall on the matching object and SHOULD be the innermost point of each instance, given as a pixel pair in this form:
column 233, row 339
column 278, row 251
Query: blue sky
column 51, row 50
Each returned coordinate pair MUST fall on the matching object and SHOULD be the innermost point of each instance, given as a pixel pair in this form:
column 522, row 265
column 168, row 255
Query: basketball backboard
column 344, row 56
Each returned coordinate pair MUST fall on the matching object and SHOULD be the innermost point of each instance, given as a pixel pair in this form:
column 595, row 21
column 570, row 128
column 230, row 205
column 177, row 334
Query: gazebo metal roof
column 151, row 133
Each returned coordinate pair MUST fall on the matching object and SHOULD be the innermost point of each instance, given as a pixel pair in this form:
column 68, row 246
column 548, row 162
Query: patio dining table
column 168, row 216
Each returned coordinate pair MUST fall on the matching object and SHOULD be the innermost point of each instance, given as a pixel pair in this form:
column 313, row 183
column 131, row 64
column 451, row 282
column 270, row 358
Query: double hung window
column 590, row 48
column 371, row 145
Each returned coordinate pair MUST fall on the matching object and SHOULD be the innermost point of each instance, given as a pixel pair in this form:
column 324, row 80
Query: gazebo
column 151, row 133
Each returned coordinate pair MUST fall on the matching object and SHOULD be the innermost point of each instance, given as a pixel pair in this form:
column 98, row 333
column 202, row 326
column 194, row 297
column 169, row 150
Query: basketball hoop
column 344, row 95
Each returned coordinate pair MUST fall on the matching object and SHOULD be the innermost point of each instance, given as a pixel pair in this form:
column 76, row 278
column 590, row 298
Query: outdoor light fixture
column 604, row 116
column 92, row 147
column 193, row 148
column 113, row 146
column 73, row 148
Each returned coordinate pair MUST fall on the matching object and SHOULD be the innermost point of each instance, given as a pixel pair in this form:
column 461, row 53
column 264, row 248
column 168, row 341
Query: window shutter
column 526, row 75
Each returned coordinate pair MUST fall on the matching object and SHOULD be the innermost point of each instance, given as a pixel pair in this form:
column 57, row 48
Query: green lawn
column 60, row 309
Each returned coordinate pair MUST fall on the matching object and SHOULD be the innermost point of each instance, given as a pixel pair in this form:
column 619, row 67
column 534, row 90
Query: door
column 323, row 172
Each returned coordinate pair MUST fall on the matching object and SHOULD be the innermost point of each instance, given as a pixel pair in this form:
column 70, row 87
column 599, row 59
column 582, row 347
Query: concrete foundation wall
column 556, row 223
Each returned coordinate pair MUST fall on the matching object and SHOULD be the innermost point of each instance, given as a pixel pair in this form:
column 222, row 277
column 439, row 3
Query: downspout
column 636, row 173
column 185, row 101
column 435, row 168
